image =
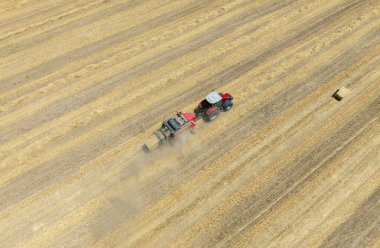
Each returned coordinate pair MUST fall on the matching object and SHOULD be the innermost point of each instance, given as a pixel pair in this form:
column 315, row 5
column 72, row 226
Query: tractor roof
column 213, row 97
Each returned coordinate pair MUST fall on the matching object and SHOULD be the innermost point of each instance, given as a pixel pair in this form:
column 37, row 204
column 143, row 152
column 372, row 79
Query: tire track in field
column 117, row 80
column 24, row 12
column 366, row 219
column 11, row 29
column 27, row 38
column 94, row 47
column 290, row 176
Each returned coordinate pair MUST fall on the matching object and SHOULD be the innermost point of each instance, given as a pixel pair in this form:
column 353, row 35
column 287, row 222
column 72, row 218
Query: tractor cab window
column 213, row 99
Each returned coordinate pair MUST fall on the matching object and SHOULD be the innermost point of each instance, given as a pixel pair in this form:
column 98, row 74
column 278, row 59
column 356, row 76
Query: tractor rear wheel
column 227, row 105
column 197, row 112
column 212, row 116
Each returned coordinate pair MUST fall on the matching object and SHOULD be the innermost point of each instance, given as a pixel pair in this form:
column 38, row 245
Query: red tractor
column 214, row 103
column 182, row 122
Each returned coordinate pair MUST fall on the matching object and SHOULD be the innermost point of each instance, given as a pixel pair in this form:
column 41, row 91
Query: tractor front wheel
column 227, row 105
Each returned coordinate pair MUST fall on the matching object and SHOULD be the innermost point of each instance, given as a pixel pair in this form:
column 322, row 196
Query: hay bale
column 340, row 93
column 152, row 143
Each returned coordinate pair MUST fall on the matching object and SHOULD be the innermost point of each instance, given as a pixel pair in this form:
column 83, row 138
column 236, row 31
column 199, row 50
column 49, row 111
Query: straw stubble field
column 84, row 83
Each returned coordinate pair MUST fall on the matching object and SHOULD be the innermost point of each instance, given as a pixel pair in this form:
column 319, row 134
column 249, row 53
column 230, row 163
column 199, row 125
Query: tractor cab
column 213, row 98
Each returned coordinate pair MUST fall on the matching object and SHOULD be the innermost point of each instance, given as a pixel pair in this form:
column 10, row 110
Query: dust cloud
column 141, row 182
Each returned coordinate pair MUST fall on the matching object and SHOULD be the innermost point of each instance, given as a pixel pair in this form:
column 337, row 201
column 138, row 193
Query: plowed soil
column 84, row 83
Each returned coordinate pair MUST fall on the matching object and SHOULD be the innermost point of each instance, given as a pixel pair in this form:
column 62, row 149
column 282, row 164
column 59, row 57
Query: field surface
column 84, row 83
